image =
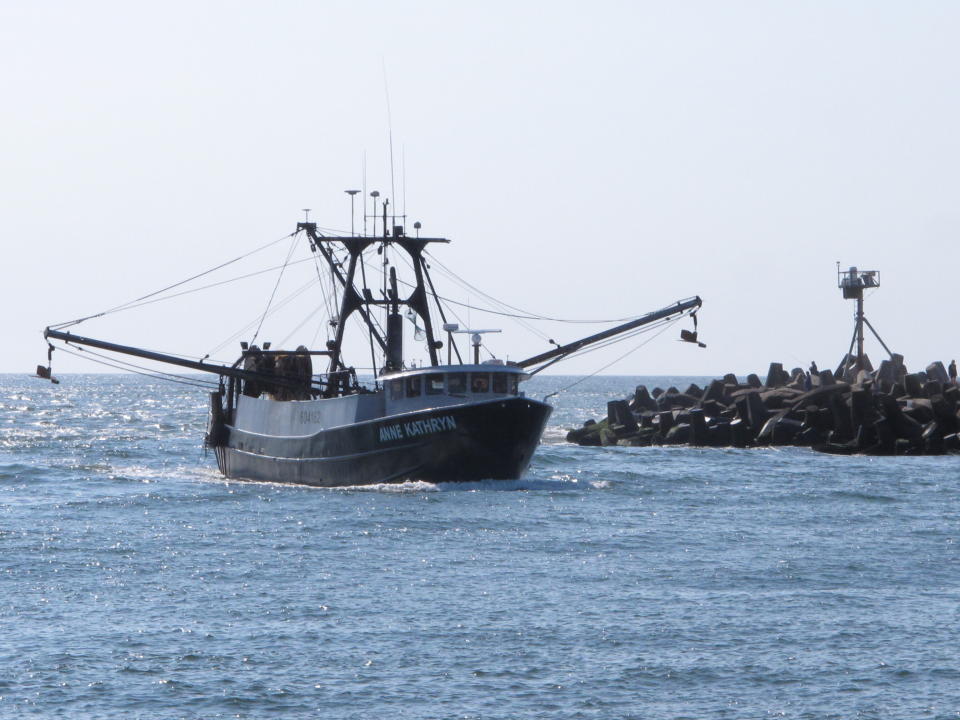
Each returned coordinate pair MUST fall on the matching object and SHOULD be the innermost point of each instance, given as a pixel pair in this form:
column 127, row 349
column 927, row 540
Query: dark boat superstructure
column 274, row 420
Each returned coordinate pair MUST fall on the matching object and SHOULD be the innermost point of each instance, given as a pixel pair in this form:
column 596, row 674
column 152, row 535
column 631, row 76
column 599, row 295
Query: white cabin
column 445, row 385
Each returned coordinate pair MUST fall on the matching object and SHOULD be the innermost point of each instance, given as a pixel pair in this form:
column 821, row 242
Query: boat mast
column 353, row 300
column 418, row 298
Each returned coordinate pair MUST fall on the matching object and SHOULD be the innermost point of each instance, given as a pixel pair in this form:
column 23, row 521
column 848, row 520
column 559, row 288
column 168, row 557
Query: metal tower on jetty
column 853, row 282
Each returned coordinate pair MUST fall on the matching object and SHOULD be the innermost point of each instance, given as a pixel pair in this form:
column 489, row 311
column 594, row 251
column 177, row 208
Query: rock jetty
column 886, row 411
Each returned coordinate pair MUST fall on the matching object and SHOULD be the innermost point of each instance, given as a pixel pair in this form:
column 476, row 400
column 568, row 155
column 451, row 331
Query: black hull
column 483, row 441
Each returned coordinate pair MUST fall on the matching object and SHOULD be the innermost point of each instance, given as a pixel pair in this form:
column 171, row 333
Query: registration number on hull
column 417, row 428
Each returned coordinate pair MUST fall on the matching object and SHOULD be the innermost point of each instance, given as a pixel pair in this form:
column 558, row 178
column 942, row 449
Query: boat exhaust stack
column 394, row 360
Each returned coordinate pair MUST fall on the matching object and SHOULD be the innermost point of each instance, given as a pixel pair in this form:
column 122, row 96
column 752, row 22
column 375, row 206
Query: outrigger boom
column 216, row 368
column 562, row 351
column 547, row 358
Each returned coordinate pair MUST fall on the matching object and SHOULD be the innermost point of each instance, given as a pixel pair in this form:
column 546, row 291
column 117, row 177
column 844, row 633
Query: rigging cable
column 136, row 369
column 614, row 361
column 293, row 245
column 366, row 298
column 203, row 287
column 525, row 314
column 125, row 305
column 662, row 323
column 582, row 351
column 312, row 314
column 282, row 304
column 436, row 300
column 323, row 291
column 518, row 318
column 323, row 288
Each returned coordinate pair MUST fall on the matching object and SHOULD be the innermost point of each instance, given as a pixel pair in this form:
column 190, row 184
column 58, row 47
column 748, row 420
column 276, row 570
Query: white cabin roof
column 458, row 369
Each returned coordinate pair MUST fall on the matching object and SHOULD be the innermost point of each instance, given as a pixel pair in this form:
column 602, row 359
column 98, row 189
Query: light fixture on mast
column 351, row 193
column 374, row 194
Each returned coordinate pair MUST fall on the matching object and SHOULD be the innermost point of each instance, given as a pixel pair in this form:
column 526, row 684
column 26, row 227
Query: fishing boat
column 452, row 419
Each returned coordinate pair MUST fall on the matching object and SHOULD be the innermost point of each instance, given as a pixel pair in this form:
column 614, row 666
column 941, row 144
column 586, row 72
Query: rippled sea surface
column 608, row 583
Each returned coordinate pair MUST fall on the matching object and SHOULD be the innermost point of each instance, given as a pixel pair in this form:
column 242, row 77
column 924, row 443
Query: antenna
column 351, row 193
column 306, row 215
column 375, row 194
column 365, row 192
column 386, row 92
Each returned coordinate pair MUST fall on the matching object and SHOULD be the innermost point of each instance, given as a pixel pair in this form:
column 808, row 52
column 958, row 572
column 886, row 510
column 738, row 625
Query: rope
column 136, row 369
column 205, row 287
column 524, row 314
column 282, row 304
column 323, row 288
column 518, row 318
column 614, row 361
column 126, row 305
column 293, row 246
column 663, row 323
column 308, row 318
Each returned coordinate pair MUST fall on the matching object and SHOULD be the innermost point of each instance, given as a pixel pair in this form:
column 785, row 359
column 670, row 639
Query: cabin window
column 500, row 383
column 435, row 384
column 413, row 386
column 479, row 382
column 396, row 389
column 514, row 385
column 457, row 384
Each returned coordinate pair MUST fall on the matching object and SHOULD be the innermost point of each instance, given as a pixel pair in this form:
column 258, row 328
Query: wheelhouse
column 450, row 385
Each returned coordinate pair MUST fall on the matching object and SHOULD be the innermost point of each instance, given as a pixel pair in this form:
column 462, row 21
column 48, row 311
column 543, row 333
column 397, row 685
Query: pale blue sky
column 588, row 160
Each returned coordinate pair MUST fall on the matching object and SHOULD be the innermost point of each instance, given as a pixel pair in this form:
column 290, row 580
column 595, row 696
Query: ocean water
column 607, row 583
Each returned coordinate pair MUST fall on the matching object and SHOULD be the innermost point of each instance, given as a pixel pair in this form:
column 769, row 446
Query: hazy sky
column 588, row 160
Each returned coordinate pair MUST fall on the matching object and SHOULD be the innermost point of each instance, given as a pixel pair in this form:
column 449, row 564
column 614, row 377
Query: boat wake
column 563, row 483
column 559, row 482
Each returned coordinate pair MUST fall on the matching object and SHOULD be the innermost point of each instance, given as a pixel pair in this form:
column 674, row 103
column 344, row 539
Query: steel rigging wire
column 279, row 306
column 157, row 296
column 615, row 360
column 519, row 318
column 125, row 305
column 506, row 310
column 217, row 284
column 293, row 246
column 136, row 369
column 526, row 314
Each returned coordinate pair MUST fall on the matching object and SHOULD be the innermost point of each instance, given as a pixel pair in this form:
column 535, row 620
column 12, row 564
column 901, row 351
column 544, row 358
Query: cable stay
column 134, row 302
column 681, row 308
column 518, row 313
column 347, row 299
column 665, row 326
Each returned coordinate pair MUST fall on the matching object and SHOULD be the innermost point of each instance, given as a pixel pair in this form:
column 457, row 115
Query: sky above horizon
column 588, row 161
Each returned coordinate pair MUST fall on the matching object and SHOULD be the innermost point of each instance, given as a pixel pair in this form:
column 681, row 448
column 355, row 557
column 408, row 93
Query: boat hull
column 491, row 440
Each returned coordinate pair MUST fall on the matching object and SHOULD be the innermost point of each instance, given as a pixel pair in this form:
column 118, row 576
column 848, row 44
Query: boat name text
column 416, row 428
